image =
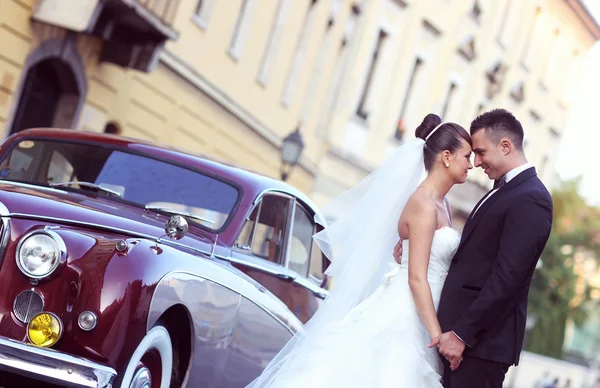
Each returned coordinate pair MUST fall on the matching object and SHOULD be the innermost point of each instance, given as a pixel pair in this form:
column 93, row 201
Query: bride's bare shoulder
column 419, row 210
column 422, row 201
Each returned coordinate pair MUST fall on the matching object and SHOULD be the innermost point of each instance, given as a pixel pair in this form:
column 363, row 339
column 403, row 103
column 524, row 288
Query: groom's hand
column 398, row 252
column 452, row 348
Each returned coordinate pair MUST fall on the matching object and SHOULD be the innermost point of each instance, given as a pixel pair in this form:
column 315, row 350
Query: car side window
column 244, row 240
column 301, row 242
column 264, row 231
column 317, row 260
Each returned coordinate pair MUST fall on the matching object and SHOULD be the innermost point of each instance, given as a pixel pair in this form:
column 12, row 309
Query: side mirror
column 176, row 227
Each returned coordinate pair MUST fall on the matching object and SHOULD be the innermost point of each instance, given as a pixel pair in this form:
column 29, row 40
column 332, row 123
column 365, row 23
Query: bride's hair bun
column 429, row 123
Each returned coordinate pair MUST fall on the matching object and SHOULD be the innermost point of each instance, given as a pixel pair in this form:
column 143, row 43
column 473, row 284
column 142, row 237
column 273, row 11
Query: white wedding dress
column 382, row 342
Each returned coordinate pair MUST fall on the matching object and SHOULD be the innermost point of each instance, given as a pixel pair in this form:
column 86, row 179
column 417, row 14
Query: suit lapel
column 474, row 220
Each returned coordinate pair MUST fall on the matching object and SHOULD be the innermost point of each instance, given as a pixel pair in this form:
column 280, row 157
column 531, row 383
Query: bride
column 374, row 328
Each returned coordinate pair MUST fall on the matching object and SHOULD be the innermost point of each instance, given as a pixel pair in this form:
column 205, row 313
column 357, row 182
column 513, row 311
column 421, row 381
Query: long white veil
column 360, row 240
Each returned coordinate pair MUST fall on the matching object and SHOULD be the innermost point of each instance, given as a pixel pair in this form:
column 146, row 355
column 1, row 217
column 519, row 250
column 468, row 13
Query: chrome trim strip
column 280, row 274
column 52, row 366
column 307, row 283
column 127, row 232
column 5, row 237
column 290, row 230
column 255, row 222
column 289, row 326
column 279, row 193
column 4, row 231
column 310, row 286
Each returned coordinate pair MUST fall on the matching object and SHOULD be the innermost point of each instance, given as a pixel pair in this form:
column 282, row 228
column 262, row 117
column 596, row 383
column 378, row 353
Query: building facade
column 456, row 59
column 231, row 79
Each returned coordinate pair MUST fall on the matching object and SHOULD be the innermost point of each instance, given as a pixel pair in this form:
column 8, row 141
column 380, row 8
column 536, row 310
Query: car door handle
column 284, row 276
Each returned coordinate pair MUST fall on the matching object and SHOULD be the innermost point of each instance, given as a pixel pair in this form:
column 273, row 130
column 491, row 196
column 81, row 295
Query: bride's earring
column 447, row 164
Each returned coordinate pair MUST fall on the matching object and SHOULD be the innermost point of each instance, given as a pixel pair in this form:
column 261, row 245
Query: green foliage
column 556, row 294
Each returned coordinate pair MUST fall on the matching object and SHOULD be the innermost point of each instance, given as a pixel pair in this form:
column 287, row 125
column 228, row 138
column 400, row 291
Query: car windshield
column 115, row 173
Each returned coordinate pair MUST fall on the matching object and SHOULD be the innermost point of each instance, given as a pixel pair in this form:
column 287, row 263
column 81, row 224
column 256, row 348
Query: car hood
column 61, row 206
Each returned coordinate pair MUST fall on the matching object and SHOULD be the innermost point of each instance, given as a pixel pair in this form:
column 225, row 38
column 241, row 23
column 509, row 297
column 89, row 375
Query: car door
column 260, row 248
column 305, row 260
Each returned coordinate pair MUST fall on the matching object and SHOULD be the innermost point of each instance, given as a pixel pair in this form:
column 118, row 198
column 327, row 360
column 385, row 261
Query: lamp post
column 291, row 149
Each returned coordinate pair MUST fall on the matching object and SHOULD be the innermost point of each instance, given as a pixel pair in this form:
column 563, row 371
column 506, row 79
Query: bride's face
column 460, row 163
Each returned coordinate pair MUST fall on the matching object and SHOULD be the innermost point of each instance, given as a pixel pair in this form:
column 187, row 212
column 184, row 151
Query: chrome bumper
column 53, row 367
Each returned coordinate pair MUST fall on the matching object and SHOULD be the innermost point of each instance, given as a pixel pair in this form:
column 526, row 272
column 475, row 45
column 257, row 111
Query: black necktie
column 498, row 183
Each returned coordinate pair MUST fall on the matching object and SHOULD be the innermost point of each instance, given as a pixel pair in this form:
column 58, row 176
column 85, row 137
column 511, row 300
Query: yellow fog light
column 44, row 329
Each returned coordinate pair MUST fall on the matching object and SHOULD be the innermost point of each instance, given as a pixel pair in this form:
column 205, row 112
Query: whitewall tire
column 151, row 365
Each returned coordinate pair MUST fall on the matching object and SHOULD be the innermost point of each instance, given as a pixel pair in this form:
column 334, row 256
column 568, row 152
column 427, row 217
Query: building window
column 502, row 30
column 476, row 11
column 340, row 69
column 554, row 58
column 451, row 92
column 203, row 12
column 495, row 79
column 297, row 64
column 532, row 127
column 400, row 129
column 543, row 165
column 467, row 48
column 480, row 109
column 274, row 40
column 526, row 56
column 361, row 111
column 242, row 29
column 518, row 92
column 317, row 70
column 199, row 6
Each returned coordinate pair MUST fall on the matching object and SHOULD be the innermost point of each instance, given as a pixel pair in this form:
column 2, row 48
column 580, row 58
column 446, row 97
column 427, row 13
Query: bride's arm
column 422, row 222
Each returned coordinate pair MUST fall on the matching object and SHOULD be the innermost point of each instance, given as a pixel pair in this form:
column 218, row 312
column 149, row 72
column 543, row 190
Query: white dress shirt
column 508, row 177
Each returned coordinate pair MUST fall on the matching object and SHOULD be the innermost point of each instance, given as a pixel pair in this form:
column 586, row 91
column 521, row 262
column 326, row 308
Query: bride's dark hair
column 447, row 137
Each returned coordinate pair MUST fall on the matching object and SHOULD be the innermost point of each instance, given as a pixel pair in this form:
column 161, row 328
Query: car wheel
column 151, row 364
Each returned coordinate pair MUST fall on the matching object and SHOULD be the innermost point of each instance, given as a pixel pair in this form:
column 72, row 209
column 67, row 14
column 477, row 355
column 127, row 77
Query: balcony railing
column 134, row 31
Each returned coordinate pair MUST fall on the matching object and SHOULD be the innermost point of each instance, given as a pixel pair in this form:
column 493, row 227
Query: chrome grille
column 4, row 234
column 27, row 304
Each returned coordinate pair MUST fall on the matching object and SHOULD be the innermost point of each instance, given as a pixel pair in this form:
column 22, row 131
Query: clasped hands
column 449, row 345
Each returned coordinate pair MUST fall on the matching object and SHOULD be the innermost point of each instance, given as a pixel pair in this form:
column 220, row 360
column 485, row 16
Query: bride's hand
column 398, row 252
column 435, row 341
column 455, row 363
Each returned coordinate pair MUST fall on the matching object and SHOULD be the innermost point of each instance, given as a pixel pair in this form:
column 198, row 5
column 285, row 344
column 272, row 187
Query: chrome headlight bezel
column 61, row 250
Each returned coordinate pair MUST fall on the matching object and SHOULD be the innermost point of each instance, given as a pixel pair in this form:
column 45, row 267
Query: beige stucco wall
column 205, row 98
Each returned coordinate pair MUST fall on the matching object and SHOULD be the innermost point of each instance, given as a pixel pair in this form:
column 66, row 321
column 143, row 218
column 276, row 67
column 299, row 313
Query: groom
column 483, row 305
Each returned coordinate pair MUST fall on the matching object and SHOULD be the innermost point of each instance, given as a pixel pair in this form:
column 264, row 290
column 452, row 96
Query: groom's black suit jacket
column 484, row 299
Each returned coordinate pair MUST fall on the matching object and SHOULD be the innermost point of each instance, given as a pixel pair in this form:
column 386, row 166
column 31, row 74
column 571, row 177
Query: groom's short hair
column 499, row 123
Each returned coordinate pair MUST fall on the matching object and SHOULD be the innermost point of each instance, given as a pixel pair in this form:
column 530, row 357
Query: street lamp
column 290, row 152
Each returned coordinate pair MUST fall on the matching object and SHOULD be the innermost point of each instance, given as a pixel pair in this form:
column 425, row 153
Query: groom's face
column 488, row 155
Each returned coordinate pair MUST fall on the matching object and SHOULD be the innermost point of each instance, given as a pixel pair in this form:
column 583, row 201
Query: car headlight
column 39, row 253
column 45, row 329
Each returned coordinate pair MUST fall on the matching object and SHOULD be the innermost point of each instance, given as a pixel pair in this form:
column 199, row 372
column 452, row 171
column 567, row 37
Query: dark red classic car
column 127, row 264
